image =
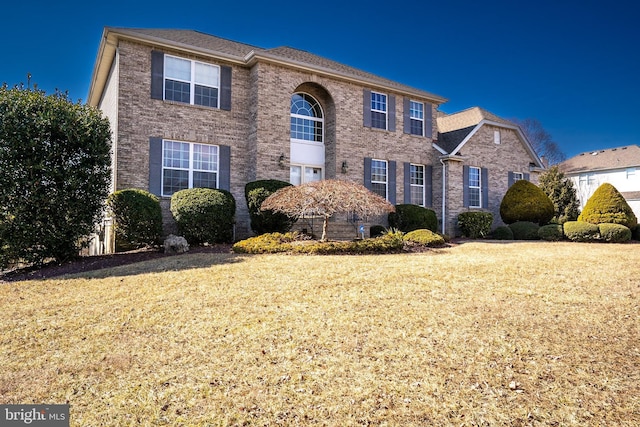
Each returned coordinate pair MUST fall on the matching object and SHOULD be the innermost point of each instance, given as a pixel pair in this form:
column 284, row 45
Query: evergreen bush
column 524, row 230
column 635, row 233
column 475, row 224
column 204, row 215
column 551, row 232
column 606, row 205
column 502, row 233
column 268, row 221
column 614, row 233
column 525, row 201
column 137, row 218
column 377, row 230
column 424, row 237
column 580, row 231
column 412, row 217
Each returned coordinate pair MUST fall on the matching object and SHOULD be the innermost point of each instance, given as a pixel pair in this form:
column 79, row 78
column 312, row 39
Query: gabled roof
column 601, row 160
column 196, row 42
column 455, row 130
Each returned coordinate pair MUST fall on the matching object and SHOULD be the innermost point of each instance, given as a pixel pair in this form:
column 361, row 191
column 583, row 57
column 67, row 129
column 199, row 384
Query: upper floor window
column 497, row 138
column 191, row 82
column 417, row 184
column 378, row 110
column 379, row 177
column 187, row 165
column 307, row 121
column 474, row 187
column 416, row 115
column 631, row 172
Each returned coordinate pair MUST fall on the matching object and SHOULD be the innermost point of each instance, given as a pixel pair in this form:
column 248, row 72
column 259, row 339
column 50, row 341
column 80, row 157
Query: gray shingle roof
column 450, row 140
column 599, row 160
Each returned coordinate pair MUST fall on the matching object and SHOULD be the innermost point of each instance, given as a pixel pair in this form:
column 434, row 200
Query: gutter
column 444, row 194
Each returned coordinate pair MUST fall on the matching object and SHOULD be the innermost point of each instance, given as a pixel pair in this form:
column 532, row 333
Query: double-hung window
column 379, row 177
column 475, row 185
column 378, row 110
column 417, row 184
column 188, row 165
column 416, row 115
column 191, row 82
column 518, row 176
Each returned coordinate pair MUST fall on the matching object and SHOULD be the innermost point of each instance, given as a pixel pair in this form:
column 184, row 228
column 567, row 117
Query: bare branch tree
column 541, row 140
column 326, row 198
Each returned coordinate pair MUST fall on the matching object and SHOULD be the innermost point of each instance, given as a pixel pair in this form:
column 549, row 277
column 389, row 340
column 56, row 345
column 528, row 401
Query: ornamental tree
column 55, row 165
column 327, row 198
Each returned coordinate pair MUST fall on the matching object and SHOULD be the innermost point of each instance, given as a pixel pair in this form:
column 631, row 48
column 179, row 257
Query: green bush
column 55, row 166
column 137, row 218
column 502, row 233
column 424, row 237
column 524, row 230
column 551, row 232
column 635, row 233
column 475, row 224
column 268, row 221
column 204, row 215
column 413, row 217
column 580, row 231
column 377, row 230
column 268, row 243
column 614, row 233
column 525, row 201
column 606, row 205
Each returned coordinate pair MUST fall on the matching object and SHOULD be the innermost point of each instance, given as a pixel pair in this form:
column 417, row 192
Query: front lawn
column 481, row 333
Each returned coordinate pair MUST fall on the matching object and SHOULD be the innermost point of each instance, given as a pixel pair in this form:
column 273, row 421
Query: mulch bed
column 97, row 262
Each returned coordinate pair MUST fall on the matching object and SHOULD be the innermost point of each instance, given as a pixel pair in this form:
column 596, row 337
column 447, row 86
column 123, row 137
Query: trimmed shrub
column 137, row 218
column 614, row 233
column 204, row 215
column 580, row 231
column 524, row 230
column 268, row 221
column 635, row 232
column 525, row 201
column 424, row 237
column 606, row 205
column 413, row 217
column 377, row 230
column 502, row 233
column 475, row 224
column 268, row 243
column 551, row 232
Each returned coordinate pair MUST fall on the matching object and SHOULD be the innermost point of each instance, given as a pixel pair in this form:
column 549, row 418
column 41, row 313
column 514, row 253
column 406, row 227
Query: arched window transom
column 307, row 121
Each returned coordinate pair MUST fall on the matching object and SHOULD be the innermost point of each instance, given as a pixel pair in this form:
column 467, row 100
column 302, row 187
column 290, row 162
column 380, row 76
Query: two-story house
column 618, row 166
column 188, row 109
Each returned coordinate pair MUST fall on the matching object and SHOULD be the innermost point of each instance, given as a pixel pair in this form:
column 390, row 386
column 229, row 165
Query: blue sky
column 573, row 65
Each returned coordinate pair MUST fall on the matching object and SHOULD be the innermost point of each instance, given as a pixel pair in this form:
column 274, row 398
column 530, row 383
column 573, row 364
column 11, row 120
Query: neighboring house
column 619, row 167
column 188, row 109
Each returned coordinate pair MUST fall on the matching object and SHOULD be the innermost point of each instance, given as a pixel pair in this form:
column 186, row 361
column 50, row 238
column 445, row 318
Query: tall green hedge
column 408, row 217
column 204, row 215
column 606, row 205
column 475, row 224
column 137, row 218
column 255, row 193
column 525, row 201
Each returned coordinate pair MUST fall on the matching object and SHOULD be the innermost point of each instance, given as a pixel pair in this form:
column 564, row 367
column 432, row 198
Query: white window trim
column 518, row 176
column 386, row 105
column 631, row 172
column 302, row 171
column 192, row 82
column 386, row 175
column 415, row 118
column 315, row 119
column 190, row 169
column 478, row 187
column 423, row 181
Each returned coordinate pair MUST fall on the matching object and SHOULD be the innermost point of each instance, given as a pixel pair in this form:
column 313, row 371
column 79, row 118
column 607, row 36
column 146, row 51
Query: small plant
column 475, row 224
column 580, row 231
column 268, row 243
column 204, row 215
column 502, row 233
column 137, row 218
column 524, row 230
column 377, row 230
column 606, row 205
column 424, row 237
column 525, row 201
column 614, row 233
column 551, row 232
column 413, row 217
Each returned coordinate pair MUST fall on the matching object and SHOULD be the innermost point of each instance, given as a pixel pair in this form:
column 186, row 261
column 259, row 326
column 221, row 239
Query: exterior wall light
column 281, row 161
column 345, row 167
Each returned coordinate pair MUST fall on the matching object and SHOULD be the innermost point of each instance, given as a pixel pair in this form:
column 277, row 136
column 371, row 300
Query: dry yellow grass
column 481, row 334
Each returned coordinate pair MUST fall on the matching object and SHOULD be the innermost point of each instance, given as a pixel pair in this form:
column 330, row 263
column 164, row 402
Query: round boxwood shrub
column 551, row 232
column 524, row 230
column 580, row 231
column 137, row 218
column 413, row 217
column 377, row 230
column 268, row 221
column 204, row 215
column 635, row 232
column 424, row 237
column 525, row 201
column 475, row 224
column 502, row 233
column 614, row 233
column 606, row 205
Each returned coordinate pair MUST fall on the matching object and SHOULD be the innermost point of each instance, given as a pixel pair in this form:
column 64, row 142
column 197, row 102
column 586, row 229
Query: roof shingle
column 611, row 158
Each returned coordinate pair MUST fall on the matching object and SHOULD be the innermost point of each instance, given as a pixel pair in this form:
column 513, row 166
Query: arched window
column 307, row 121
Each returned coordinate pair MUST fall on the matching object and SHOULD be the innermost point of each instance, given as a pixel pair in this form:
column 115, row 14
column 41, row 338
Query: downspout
column 444, row 195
